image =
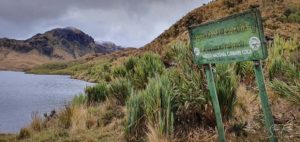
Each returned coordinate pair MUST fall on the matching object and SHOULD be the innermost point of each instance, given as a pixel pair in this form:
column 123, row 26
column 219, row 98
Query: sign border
column 260, row 33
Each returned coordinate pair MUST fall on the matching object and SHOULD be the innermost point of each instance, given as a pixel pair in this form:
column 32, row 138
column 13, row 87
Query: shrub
column 24, row 133
column 231, row 3
column 287, row 12
column 120, row 89
column 97, row 93
column 228, row 3
column 226, row 85
column 294, row 17
column 291, row 15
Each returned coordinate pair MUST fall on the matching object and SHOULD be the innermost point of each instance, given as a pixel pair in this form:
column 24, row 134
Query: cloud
column 125, row 22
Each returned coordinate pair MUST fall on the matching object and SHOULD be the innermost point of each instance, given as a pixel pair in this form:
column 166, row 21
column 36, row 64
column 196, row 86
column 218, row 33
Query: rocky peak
column 72, row 35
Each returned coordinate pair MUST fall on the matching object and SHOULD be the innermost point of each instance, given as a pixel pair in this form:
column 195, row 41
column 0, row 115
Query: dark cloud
column 126, row 22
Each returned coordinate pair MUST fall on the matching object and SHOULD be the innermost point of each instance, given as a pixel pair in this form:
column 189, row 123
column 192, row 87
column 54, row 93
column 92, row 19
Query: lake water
column 22, row 94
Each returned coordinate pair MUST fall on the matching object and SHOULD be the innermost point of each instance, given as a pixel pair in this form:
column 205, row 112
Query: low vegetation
column 147, row 96
column 163, row 95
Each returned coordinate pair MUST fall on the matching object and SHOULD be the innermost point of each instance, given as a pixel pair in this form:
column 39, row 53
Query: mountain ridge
column 59, row 44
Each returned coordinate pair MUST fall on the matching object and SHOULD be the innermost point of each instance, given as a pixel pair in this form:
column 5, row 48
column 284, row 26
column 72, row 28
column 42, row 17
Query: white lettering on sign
column 227, row 54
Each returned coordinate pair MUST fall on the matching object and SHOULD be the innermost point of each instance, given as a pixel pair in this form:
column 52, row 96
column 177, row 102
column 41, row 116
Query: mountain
column 60, row 44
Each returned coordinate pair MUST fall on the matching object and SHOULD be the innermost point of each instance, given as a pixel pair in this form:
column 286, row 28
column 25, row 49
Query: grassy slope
column 99, row 68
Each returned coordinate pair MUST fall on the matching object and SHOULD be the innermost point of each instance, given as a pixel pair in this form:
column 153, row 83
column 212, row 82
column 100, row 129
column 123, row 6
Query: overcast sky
column 125, row 22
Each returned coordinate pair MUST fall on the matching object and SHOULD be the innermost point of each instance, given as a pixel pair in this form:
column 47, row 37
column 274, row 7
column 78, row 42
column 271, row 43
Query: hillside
column 61, row 44
column 273, row 13
column 157, row 93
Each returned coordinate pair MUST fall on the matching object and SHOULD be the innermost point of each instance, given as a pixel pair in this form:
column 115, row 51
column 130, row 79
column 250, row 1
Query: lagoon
column 22, row 94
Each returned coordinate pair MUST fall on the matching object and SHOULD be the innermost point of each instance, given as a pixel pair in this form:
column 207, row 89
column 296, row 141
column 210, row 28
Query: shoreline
column 5, row 134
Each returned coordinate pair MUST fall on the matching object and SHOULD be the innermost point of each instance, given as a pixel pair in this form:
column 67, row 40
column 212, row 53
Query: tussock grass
column 78, row 119
column 80, row 99
column 153, row 135
column 65, row 117
column 290, row 92
column 226, row 85
column 120, row 89
column 284, row 74
column 36, row 123
column 139, row 69
column 97, row 93
column 24, row 133
column 151, row 106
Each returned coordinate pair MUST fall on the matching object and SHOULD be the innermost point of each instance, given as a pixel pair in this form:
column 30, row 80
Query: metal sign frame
column 269, row 122
column 235, row 38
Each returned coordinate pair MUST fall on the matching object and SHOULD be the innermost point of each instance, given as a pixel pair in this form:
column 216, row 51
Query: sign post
column 235, row 38
column 215, row 101
column 264, row 100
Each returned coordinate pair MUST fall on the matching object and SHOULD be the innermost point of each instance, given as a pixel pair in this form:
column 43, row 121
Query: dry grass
column 37, row 122
column 154, row 136
column 86, row 124
column 78, row 120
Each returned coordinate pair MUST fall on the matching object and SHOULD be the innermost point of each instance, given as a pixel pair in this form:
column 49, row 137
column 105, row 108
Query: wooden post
column 215, row 101
column 269, row 122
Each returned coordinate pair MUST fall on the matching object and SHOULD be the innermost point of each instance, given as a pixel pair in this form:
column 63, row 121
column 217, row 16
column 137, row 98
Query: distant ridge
column 59, row 44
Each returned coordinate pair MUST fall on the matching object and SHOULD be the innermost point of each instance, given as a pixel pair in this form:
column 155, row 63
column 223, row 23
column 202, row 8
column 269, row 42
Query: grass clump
column 65, row 117
column 120, row 89
column 37, row 122
column 289, row 91
column 291, row 15
column 158, row 105
column 97, row 93
column 151, row 106
column 190, row 91
column 245, row 70
column 118, row 72
column 139, row 69
column 284, row 72
column 79, row 99
column 24, row 133
column 280, row 63
column 135, row 122
column 283, row 69
column 226, row 85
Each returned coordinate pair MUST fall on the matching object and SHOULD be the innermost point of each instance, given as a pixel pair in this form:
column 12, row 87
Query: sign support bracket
column 269, row 122
column 215, row 101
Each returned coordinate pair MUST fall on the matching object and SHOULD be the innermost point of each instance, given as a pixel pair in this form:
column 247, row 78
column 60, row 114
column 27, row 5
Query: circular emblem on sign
column 254, row 43
column 196, row 51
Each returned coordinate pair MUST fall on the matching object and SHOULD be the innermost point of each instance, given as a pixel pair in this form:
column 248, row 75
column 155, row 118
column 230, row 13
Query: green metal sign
column 235, row 38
